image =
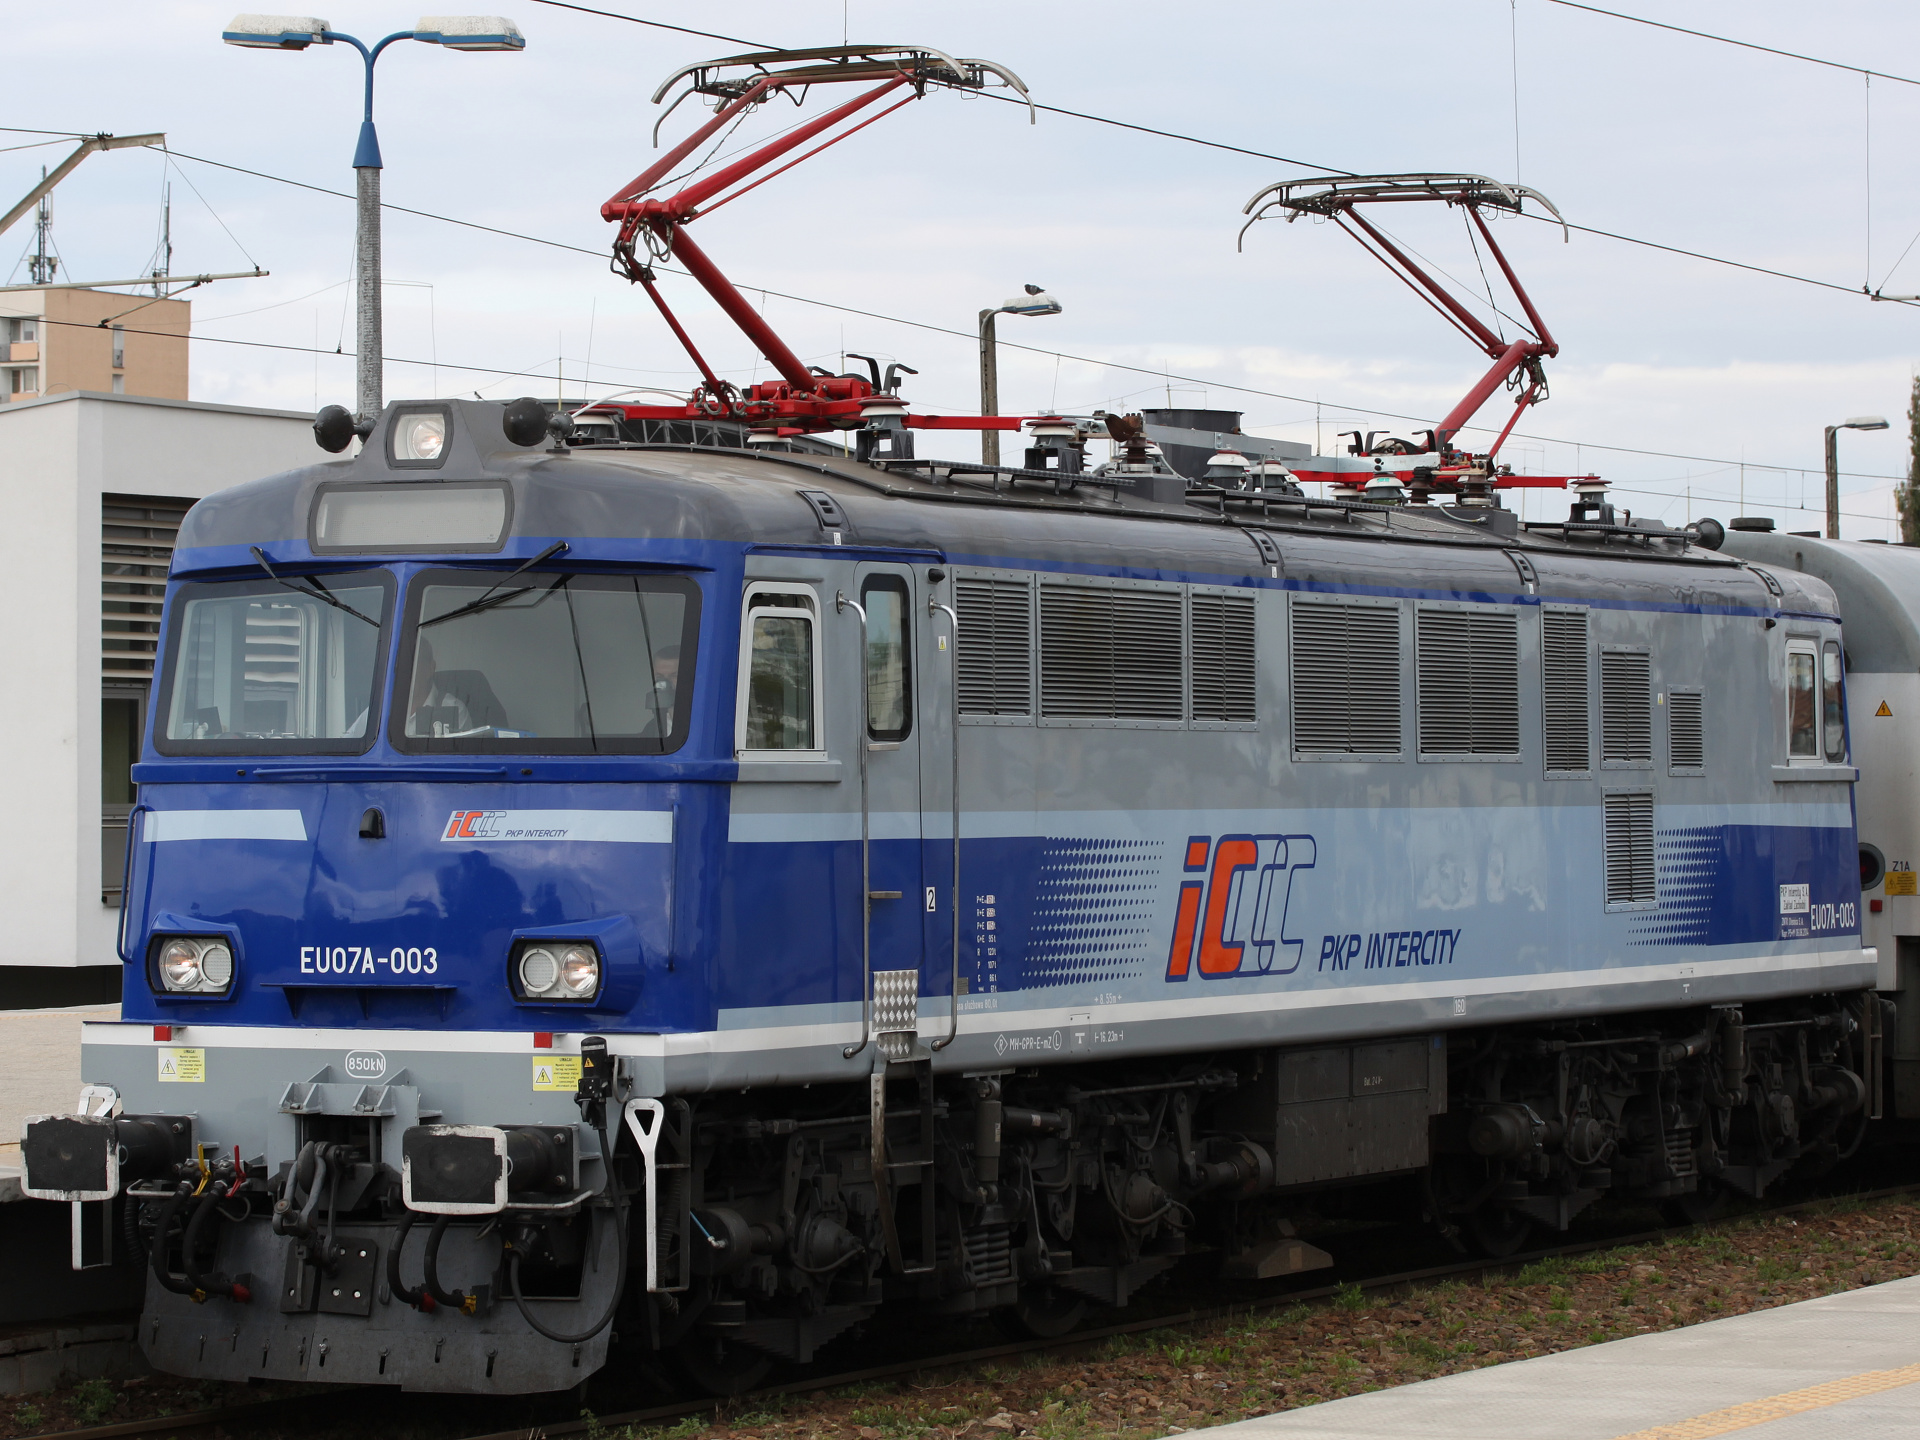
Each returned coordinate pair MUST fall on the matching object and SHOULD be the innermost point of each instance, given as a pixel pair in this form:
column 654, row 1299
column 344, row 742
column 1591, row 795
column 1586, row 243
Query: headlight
column 195, row 965
column 420, row 436
column 538, row 971
column 550, row 970
column 580, row 971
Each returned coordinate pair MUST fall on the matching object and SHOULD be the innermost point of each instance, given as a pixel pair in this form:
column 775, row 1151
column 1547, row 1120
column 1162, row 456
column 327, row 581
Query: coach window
column 780, row 658
column 1803, row 707
column 889, row 663
column 1833, row 709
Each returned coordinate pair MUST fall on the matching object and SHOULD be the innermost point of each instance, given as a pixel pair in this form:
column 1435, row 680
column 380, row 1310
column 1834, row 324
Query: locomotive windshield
column 547, row 662
column 274, row 666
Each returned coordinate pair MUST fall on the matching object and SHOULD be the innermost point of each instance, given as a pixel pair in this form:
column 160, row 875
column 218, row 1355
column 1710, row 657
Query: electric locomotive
column 706, row 896
column 544, row 917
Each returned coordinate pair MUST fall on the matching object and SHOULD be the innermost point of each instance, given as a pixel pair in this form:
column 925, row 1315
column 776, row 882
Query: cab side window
column 889, row 664
column 780, row 709
column 1833, row 708
column 1803, row 704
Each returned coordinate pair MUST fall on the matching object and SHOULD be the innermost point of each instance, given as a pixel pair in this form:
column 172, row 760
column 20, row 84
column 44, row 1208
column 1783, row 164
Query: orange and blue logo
column 1232, row 916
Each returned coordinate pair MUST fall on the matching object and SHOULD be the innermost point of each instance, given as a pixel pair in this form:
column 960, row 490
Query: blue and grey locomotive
column 710, row 894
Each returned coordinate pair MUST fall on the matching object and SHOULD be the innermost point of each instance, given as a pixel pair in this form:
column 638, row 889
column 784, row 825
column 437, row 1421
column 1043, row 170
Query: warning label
column 1883, row 710
column 1901, row 882
column 556, row 1072
column 189, row 1066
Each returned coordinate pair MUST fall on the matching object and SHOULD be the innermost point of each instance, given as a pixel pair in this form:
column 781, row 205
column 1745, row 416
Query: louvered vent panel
column 1223, row 657
column 1686, row 730
column 1469, row 683
column 1630, row 877
column 1109, row 654
column 996, row 646
column 1626, row 707
column 136, row 547
column 1346, row 678
column 1564, row 712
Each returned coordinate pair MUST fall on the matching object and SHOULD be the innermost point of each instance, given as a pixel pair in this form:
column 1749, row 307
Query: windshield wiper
column 318, row 592
column 486, row 600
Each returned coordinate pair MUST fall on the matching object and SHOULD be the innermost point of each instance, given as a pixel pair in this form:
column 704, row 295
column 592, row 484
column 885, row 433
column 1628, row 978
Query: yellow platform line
column 1778, row 1407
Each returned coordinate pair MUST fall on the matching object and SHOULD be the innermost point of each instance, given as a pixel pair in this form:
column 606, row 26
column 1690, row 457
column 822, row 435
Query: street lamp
column 1035, row 302
column 1859, row 422
column 297, row 32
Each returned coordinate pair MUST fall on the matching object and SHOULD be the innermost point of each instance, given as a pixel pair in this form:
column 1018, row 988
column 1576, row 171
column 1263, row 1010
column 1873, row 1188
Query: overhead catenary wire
column 1729, row 40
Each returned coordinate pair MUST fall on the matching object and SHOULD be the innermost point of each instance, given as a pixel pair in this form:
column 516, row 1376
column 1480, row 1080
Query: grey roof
column 1878, row 587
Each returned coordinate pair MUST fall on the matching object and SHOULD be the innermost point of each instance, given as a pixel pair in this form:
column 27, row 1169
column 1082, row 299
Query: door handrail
column 953, row 748
column 841, row 604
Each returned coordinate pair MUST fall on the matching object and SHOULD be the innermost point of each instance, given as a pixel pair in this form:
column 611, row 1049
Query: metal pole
column 989, row 387
column 1833, row 482
column 366, row 330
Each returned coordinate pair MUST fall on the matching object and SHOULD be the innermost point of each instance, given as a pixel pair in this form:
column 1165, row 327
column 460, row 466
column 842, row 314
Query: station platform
column 1844, row 1367
column 39, row 1070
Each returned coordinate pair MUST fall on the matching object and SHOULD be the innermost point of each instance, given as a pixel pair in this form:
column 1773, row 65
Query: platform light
column 1865, row 422
column 277, row 32
column 469, row 32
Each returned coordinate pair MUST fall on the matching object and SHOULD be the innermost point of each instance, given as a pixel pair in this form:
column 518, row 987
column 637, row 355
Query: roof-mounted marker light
column 277, row 32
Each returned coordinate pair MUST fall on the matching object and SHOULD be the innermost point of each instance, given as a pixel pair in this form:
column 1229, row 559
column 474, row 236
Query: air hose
column 621, row 1212
column 168, row 1213
column 199, row 1286
column 459, row 1300
column 418, row 1299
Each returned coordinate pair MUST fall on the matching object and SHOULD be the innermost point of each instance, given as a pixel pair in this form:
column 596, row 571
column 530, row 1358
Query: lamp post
column 1859, row 422
column 1035, row 302
column 297, row 32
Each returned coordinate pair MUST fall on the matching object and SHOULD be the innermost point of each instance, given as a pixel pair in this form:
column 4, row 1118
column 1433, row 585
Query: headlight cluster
column 195, row 965
column 554, row 970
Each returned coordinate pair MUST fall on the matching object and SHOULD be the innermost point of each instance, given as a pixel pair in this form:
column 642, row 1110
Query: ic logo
column 472, row 825
column 366, row 1065
column 1237, row 903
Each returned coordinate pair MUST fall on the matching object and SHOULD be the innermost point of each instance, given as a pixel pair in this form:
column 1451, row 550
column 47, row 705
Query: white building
column 96, row 485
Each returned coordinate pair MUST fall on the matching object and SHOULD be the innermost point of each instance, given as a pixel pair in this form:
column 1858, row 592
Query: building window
column 119, row 350
column 119, row 384
column 23, row 382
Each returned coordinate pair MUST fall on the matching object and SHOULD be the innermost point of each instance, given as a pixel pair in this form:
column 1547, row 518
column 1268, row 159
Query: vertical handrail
column 953, row 748
column 840, row 605
column 126, row 882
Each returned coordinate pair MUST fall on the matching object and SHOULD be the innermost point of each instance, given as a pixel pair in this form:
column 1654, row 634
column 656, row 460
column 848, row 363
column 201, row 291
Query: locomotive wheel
column 717, row 1366
column 1497, row 1232
column 1698, row 1206
column 1042, row 1312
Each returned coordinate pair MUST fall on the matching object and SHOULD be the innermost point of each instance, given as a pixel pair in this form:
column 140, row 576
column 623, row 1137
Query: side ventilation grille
column 1630, row 876
column 1346, row 678
column 1109, row 653
column 1223, row 658
column 1686, row 730
column 1626, row 707
column 1564, row 714
column 1469, row 683
column 995, row 646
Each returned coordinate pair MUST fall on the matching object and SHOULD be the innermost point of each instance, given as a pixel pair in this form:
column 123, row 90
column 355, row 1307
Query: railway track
column 245, row 1417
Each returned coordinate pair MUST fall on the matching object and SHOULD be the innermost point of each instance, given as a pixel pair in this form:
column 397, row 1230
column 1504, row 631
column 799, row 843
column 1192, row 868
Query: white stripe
column 1842, row 968
column 160, row 825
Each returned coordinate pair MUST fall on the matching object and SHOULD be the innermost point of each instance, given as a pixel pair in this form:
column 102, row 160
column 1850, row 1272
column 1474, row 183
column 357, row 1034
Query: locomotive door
column 896, row 881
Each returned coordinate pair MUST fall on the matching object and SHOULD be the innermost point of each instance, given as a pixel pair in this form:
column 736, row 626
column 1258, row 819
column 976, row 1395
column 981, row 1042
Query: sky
column 1695, row 388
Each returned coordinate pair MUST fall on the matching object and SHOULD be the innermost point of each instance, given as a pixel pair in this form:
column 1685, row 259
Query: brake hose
column 453, row 1299
column 418, row 1299
column 198, row 1287
column 158, row 1257
column 621, row 1212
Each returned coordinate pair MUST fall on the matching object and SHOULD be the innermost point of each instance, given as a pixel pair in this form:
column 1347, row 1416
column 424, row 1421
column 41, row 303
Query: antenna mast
column 41, row 265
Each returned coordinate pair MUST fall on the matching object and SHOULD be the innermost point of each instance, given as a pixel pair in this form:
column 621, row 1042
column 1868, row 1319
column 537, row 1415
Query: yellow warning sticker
column 1901, row 882
column 556, row 1072
column 189, row 1066
column 1883, row 710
